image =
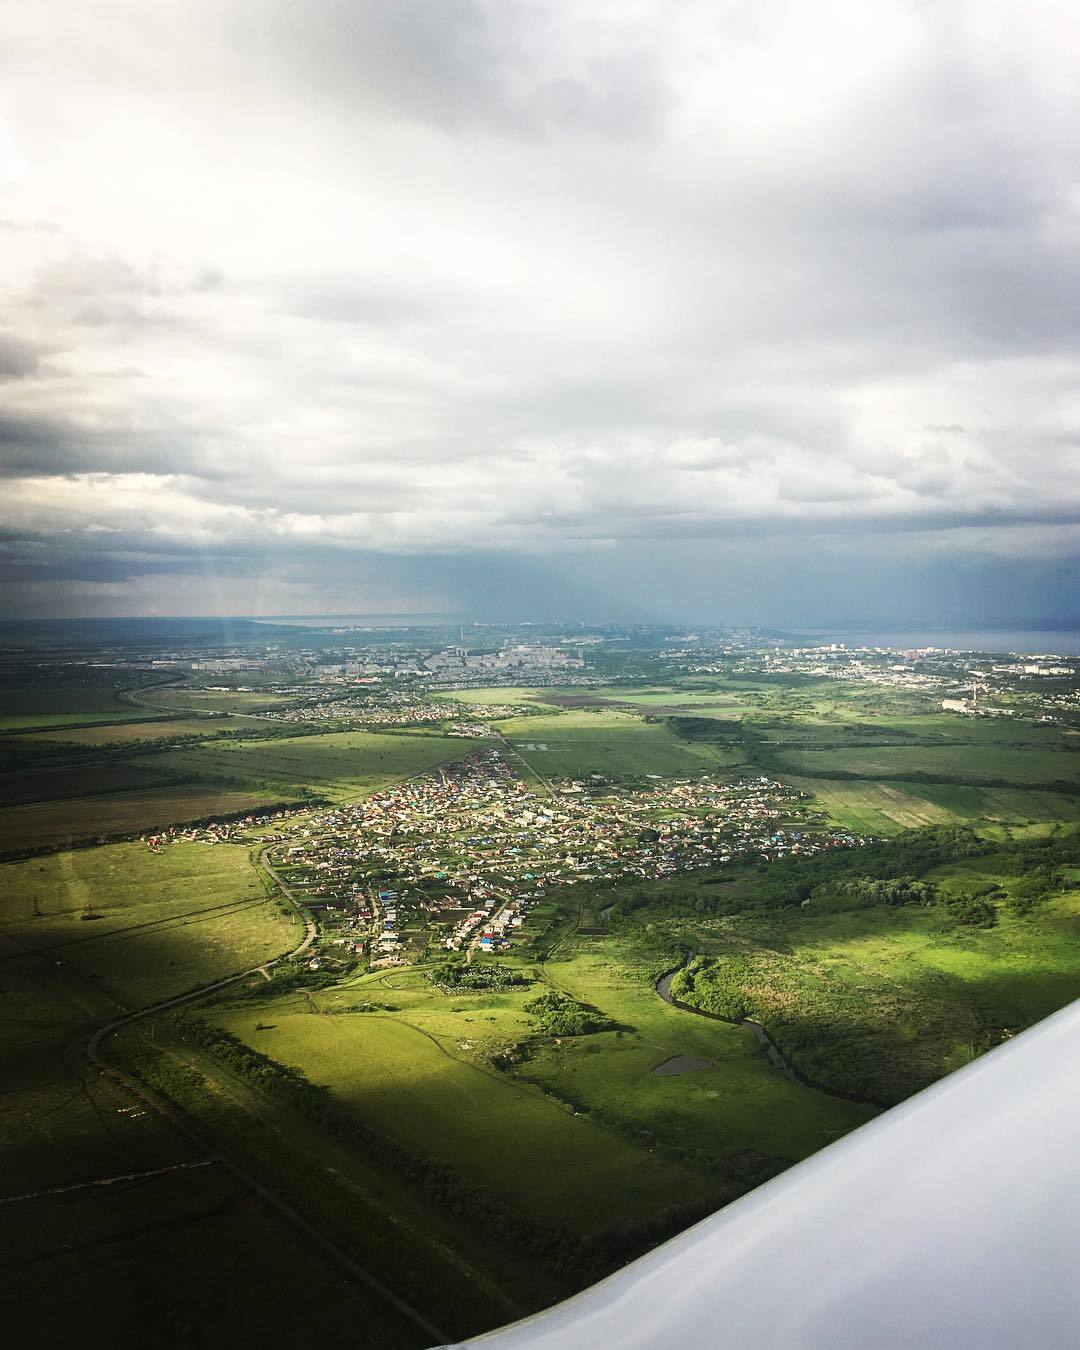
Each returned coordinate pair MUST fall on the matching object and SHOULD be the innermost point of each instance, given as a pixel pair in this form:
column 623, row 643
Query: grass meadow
column 883, row 1001
column 416, row 1076
column 339, row 765
column 976, row 764
column 131, row 1260
column 153, row 729
column 883, row 808
column 131, row 1256
column 63, row 823
column 615, row 744
column 144, row 925
column 737, row 1106
column 44, row 784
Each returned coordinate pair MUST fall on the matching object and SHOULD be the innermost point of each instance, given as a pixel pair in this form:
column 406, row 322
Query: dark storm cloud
column 17, row 358
column 59, row 567
column 31, row 444
column 41, row 445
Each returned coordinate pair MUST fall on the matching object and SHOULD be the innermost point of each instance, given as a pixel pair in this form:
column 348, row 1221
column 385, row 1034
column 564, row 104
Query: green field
column 163, row 922
column 124, row 733
column 193, row 698
column 132, row 1257
column 339, row 764
column 414, row 1076
column 580, row 1134
column 131, row 1254
column 724, row 704
column 43, row 784
column 60, row 824
column 523, row 694
column 23, row 722
column 738, row 1107
column 673, row 700
column 615, row 744
column 65, row 701
column 990, row 764
column 881, row 1001
column 887, row 808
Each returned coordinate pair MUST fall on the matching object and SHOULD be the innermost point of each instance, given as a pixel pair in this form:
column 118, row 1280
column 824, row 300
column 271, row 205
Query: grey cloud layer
column 410, row 279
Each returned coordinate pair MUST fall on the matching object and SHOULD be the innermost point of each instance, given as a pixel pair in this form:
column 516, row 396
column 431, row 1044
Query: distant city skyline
column 758, row 313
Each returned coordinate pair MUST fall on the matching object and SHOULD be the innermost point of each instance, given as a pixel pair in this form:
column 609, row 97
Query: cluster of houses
column 490, row 928
column 237, row 830
column 1007, row 687
column 393, row 709
column 469, row 848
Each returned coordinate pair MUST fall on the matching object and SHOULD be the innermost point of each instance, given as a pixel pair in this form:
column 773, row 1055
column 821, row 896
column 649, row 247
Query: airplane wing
column 950, row 1221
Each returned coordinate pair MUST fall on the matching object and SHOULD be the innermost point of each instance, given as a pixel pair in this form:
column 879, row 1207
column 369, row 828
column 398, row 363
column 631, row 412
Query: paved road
column 213, row 1154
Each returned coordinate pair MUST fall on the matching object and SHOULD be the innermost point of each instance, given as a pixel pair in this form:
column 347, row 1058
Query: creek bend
column 773, row 1053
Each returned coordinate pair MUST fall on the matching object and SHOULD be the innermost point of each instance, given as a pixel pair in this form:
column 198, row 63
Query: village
column 458, row 857
column 392, row 708
column 230, row 830
column 958, row 681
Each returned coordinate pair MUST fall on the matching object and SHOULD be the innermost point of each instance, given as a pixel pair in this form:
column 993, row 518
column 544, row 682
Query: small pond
column 681, row 1064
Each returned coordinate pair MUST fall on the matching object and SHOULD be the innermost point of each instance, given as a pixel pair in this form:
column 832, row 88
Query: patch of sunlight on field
column 417, row 1087
column 145, row 925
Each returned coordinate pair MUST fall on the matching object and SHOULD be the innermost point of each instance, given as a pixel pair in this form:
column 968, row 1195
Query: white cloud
column 437, row 279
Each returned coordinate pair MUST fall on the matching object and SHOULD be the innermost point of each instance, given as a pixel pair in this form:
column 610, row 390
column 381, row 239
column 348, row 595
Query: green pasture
column 63, row 823
column 136, row 1258
column 650, row 700
column 133, row 1255
column 610, row 743
column 23, row 722
column 341, row 764
column 43, row 783
column 518, row 693
column 161, row 924
column 194, row 698
column 882, row 808
column 123, row 733
column 62, row 700
column 864, row 731
column 454, row 1270
column 1005, row 732
column 883, row 1001
column 144, row 925
column 738, row 1105
column 418, row 1076
column 977, row 764
column 59, row 1130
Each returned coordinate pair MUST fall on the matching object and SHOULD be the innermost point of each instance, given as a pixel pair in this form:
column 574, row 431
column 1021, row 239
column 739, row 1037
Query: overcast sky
column 545, row 308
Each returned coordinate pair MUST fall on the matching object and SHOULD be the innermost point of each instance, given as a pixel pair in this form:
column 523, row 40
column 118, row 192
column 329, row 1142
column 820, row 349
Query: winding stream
column 773, row 1052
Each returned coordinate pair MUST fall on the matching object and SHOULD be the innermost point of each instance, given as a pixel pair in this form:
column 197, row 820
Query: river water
column 772, row 1051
